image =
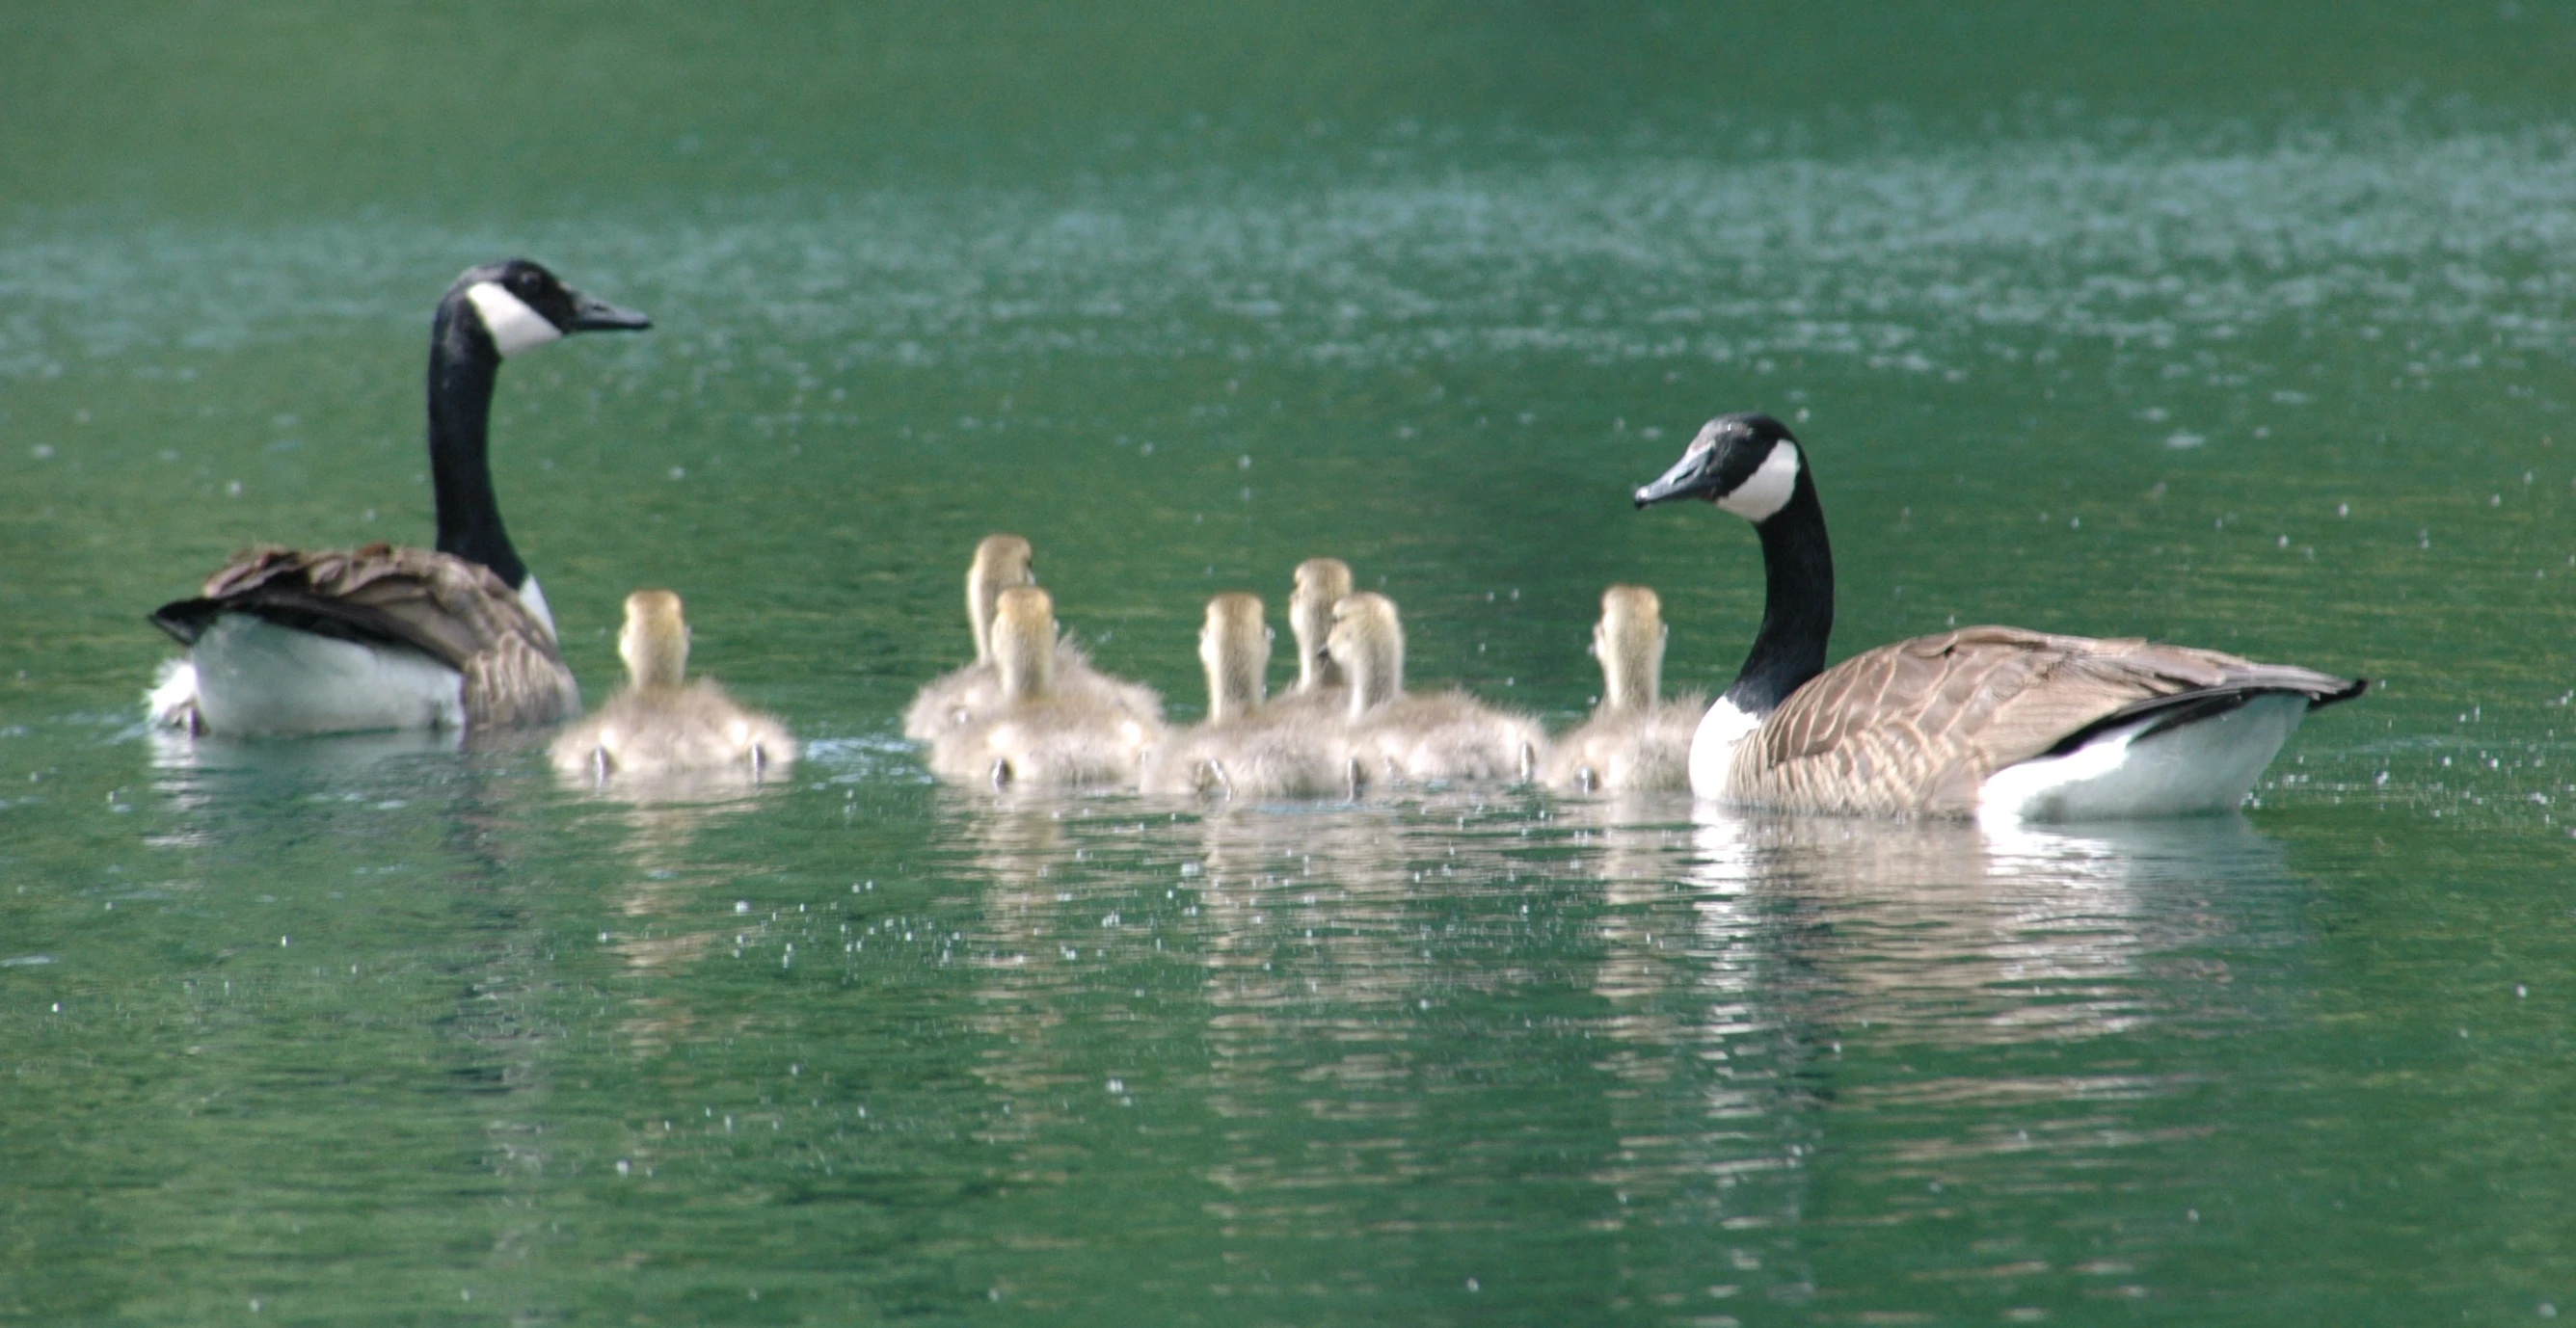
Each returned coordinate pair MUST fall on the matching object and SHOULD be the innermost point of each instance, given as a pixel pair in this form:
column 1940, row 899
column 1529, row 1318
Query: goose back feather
column 445, row 608
column 1917, row 727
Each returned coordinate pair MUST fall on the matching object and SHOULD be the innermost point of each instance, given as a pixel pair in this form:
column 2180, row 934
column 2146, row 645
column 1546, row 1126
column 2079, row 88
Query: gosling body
column 1249, row 748
column 1635, row 741
column 662, row 722
column 956, row 700
column 1446, row 737
column 1038, row 735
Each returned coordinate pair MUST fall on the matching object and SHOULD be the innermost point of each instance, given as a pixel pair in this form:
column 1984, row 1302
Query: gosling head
column 1024, row 642
column 1367, row 640
column 1629, row 642
column 1001, row 562
column 517, row 305
column 1747, row 464
column 1321, row 584
column 655, row 640
column 1235, row 646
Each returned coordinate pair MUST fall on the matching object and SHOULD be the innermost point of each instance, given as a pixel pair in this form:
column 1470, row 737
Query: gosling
column 1320, row 582
column 1039, row 734
column 1634, row 741
column 1450, row 736
column 1248, row 749
column 662, row 723
column 957, row 699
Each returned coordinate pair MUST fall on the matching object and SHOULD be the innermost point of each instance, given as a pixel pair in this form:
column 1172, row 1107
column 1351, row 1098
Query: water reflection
column 197, row 773
column 666, row 884
column 1962, row 935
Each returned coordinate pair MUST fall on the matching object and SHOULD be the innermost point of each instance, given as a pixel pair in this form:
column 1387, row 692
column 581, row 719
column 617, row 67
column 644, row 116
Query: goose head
column 1001, row 562
column 655, row 640
column 1321, row 584
column 1234, row 644
column 1024, row 642
column 1629, row 642
column 521, row 306
column 1747, row 464
column 1367, row 641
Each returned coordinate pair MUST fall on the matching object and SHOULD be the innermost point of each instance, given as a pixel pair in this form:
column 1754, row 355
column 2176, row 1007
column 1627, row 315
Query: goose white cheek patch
column 515, row 327
column 1768, row 488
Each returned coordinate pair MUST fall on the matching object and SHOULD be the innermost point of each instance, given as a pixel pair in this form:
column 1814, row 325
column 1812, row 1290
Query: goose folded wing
column 445, row 607
column 1917, row 726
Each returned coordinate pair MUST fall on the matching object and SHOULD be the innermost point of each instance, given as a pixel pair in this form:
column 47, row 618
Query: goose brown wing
column 1915, row 727
column 453, row 610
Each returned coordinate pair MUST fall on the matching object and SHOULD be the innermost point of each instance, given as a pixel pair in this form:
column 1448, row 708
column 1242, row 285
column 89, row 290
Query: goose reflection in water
column 1739, row 955
column 1964, row 935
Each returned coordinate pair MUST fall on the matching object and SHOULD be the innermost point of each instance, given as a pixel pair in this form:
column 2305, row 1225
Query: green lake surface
column 2246, row 328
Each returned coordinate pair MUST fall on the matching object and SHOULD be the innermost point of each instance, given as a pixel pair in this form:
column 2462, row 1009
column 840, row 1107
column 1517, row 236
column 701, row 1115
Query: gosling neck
column 1377, row 675
column 1632, row 670
column 1312, row 624
column 1234, row 685
column 655, row 662
column 1026, row 663
column 983, row 592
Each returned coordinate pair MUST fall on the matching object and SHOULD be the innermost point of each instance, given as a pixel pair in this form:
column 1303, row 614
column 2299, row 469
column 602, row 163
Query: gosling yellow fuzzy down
column 1247, row 748
column 1634, row 740
column 1443, row 737
column 957, row 699
column 1039, row 734
column 661, row 722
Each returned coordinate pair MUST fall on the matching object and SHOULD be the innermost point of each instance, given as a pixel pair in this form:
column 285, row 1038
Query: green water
column 2249, row 330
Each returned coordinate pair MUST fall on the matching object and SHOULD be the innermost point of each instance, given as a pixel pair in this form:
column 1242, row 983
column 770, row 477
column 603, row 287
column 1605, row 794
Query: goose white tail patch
column 2207, row 765
column 173, row 697
column 257, row 678
column 515, row 327
column 1767, row 489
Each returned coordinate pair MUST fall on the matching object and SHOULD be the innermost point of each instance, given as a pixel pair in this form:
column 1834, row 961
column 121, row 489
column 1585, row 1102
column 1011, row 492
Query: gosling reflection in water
column 667, row 883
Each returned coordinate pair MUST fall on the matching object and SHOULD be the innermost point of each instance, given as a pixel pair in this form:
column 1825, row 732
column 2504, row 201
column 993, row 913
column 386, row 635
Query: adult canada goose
column 1635, row 740
column 1993, row 722
column 661, row 722
column 1449, row 736
column 959, row 697
column 1247, row 749
column 1039, row 735
column 285, row 641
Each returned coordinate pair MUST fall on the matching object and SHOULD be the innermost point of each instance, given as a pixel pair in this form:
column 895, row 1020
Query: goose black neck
column 463, row 364
column 1797, row 604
